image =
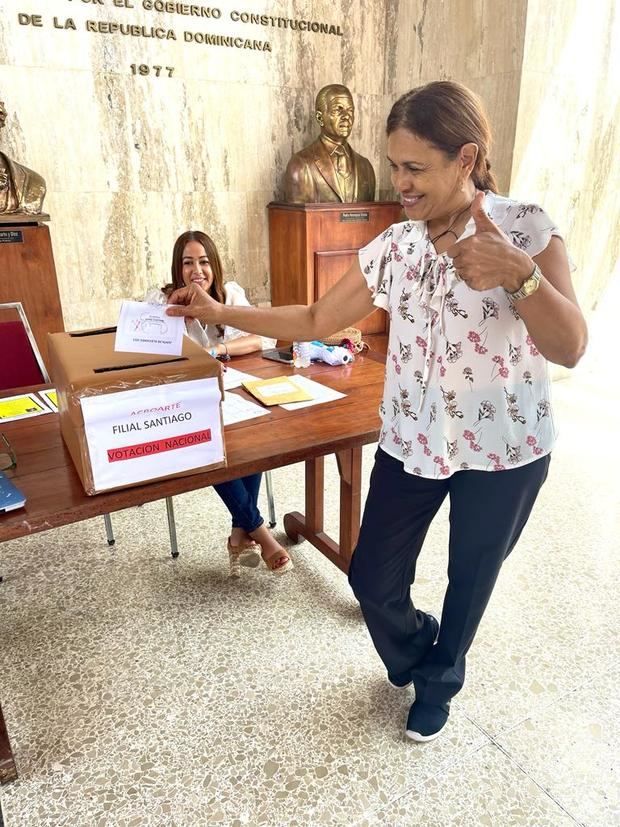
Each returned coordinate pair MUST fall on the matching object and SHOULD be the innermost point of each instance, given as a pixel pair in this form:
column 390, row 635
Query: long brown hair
column 216, row 290
column 447, row 115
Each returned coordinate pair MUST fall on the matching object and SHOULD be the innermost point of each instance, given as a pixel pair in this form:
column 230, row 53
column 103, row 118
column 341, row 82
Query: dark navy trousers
column 488, row 511
column 241, row 498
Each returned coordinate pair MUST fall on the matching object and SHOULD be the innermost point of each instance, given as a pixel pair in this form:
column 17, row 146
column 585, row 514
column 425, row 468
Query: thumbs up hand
column 484, row 223
column 487, row 259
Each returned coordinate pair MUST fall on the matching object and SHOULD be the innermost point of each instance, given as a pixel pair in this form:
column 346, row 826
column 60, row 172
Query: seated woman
column 195, row 260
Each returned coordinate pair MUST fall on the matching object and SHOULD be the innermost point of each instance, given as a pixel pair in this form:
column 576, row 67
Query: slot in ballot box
column 130, row 418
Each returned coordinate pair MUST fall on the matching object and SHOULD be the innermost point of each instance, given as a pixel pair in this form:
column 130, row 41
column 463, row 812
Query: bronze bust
column 21, row 190
column 328, row 169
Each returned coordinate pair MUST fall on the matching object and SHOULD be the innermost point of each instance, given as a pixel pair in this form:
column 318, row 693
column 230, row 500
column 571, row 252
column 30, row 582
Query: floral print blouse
column 465, row 387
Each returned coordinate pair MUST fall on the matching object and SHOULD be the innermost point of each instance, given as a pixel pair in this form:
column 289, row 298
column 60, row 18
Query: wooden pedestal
column 28, row 275
column 312, row 245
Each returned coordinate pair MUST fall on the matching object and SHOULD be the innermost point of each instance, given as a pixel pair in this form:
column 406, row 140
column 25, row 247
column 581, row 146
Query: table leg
column 310, row 526
column 315, row 485
column 8, row 770
column 350, row 469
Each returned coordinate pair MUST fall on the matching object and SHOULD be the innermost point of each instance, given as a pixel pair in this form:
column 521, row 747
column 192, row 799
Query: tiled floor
column 144, row 691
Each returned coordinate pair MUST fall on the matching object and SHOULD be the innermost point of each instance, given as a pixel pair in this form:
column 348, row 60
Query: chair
column 174, row 548
column 25, row 367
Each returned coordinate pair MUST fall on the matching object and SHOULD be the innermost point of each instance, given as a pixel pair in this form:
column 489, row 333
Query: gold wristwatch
column 529, row 286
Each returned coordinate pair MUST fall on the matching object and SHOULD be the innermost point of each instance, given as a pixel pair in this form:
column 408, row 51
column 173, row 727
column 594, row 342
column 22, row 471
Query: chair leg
column 174, row 549
column 108, row 529
column 270, row 503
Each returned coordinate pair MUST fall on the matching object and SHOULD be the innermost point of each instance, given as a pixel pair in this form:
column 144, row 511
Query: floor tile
column 571, row 748
column 166, row 677
column 144, row 691
column 484, row 790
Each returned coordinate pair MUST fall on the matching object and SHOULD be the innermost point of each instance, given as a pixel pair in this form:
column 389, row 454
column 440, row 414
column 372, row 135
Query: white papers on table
column 236, row 409
column 321, row 393
column 145, row 328
column 233, row 378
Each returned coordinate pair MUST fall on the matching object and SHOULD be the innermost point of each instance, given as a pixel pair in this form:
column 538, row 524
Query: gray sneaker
column 425, row 721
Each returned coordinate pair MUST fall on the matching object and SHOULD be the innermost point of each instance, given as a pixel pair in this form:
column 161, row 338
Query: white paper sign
column 138, row 435
column 145, row 328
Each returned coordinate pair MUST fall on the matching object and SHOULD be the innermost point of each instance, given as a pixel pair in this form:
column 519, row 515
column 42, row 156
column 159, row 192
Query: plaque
column 355, row 215
column 11, row 237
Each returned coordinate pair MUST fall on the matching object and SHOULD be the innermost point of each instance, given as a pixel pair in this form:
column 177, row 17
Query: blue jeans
column 241, row 497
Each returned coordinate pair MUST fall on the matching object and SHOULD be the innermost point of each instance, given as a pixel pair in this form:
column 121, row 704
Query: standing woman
column 195, row 261
column 480, row 299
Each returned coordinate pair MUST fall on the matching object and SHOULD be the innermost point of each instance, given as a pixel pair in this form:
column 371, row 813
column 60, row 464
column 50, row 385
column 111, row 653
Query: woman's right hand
column 195, row 303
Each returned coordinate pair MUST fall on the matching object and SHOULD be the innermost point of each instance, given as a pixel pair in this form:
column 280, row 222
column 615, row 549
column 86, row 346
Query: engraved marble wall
column 131, row 161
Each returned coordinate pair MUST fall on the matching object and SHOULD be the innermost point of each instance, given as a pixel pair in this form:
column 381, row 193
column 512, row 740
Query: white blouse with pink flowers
column 465, row 387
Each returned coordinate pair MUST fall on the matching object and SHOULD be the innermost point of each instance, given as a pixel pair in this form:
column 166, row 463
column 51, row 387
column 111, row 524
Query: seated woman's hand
column 195, row 303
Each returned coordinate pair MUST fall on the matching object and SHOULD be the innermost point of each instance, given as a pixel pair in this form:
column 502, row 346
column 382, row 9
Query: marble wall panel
column 567, row 142
column 452, row 40
column 131, row 161
column 479, row 43
column 123, row 253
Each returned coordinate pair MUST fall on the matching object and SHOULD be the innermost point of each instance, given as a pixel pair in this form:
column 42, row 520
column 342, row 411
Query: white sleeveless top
column 465, row 387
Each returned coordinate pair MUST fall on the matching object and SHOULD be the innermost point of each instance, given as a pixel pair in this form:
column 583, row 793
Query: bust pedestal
column 29, row 276
column 312, row 245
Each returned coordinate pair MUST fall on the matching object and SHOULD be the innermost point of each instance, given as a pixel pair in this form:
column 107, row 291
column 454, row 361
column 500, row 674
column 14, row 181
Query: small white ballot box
column 130, row 418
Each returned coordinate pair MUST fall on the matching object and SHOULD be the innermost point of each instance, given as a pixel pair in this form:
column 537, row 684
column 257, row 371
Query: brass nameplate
column 11, row 237
column 357, row 215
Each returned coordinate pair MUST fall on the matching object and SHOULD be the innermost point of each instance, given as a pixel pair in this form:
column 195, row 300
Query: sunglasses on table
column 7, row 457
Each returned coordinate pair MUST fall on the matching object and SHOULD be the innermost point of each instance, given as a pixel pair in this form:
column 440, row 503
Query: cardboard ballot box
column 129, row 418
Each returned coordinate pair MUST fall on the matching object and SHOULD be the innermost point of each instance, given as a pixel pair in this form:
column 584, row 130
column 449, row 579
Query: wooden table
column 55, row 496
